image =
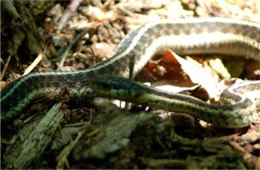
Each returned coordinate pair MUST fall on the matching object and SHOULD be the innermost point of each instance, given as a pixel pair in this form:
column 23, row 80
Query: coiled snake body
column 184, row 36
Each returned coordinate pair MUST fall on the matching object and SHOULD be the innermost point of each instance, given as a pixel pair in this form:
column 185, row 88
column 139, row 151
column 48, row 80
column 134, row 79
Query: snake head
column 116, row 87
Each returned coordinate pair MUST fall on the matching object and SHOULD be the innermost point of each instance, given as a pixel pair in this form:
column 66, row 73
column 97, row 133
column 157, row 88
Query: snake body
column 184, row 36
column 239, row 114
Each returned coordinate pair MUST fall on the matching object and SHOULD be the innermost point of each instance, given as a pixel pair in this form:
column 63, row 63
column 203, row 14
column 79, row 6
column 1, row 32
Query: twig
column 73, row 42
column 70, row 9
column 36, row 61
column 62, row 157
column 5, row 67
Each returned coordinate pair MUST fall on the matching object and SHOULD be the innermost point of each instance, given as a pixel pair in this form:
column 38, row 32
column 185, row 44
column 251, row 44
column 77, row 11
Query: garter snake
column 184, row 36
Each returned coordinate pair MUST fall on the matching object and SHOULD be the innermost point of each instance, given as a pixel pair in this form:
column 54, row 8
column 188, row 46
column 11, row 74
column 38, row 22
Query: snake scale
column 184, row 36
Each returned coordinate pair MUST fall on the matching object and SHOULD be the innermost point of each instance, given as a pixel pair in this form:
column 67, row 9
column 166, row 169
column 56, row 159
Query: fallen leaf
column 198, row 74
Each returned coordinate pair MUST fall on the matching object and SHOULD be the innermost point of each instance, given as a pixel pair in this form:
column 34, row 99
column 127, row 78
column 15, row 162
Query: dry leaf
column 198, row 74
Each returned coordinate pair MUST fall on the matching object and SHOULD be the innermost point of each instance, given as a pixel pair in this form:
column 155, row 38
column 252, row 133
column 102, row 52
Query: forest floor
column 78, row 34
